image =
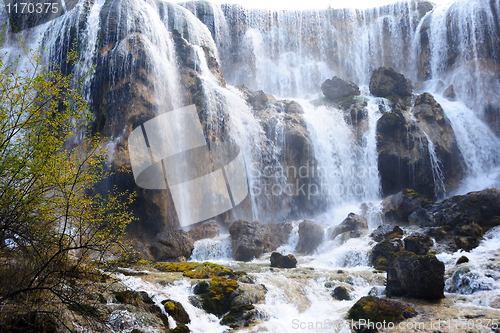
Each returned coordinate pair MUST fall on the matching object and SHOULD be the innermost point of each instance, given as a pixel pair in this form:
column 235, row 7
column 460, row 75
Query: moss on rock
column 378, row 309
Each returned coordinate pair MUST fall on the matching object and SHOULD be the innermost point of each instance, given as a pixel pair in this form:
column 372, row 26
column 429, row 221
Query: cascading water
column 289, row 54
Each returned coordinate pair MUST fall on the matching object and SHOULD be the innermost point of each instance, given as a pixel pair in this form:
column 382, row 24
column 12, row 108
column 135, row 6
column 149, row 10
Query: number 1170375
column 32, row 8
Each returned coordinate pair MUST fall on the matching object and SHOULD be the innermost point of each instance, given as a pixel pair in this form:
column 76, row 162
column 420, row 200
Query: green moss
column 207, row 270
column 381, row 264
column 176, row 311
column 379, row 310
column 216, row 298
column 180, row 329
column 412, row 192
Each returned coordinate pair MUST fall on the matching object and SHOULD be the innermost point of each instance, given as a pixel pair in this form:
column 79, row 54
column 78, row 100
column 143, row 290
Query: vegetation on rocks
column 379, row 310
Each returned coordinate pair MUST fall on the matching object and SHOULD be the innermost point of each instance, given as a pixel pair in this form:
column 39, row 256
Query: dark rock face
column 379, row 310
column 248, row 239
column 386, row 81
column 337, row 88
column 402, row 162
column 462, row 260
column 417, row 276
column 354, row 224
column 419, row 244
column 387, row 232
column 382, row 251
column 171, row 244
column 398, row 207
column 206, row 230
column 403, row 147
column 341, row 293
column 450, row 93
column 240, row 316
column 281, row 261
column 257, row 99
column 176, row 311
column 310, row 237
column 251, row 239
column 463, row 218
column 433, row 122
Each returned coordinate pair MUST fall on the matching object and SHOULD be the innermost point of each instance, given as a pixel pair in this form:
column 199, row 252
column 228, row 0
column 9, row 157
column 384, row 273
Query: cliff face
column 153, row 57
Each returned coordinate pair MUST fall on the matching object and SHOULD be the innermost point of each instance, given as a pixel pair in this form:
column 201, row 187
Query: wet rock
column 176, row 311
column 462, row 260
column 382, row 251
column 341, row 293
column 355, row 225
column 416, row 276
column 172, row 244
column 281, row 261
column 403, row 144
column 404, row 161
column 251, row 239
column 310, row 237
column 248, row 294
column 378, row 310
column 463, row 218
column 386, row 232
column 337, row 88
column 206, row 230
column 449, row 93
column 293, row 107
column 432, row 120
column 240, row 316
column 218, row 296
column 196, row 301
column 419, row 244
column 386, row 81
column 492, row 117
column 398, row 207
column 257, row 99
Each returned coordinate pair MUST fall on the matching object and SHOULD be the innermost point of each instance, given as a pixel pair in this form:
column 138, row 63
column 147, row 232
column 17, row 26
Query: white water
column 290, row 54
column 477, row 143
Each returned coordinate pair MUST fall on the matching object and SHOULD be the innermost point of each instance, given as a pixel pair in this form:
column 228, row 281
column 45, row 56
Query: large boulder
column 206, row 230
column 248, row 294
column 378, row 310
column 355, row 225
column 418, row 244
column 172, row 245
column 248, row 239
column 386, row 82
column 386, row 232
column 310, row 237
column 432, row 121
column 398, row 207
column 462, row 219
column 403, row 158
column 418, row 150
column 416, row 276
column 251, row 239
column 382, row 252
column 281, row 261
column 336, row 88
column 176, row 311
